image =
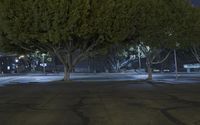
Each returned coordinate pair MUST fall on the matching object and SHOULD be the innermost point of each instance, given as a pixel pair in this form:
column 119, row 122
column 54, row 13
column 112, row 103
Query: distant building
column 10, row 63
column 7, row 64
column 192, row 67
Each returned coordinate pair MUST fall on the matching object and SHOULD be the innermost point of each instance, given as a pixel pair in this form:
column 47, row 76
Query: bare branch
column 161, row 61
column 195, row 52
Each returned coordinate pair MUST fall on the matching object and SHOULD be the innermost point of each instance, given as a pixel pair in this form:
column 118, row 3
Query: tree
column 120, row 55
column 196, row 52
column 153, row 57
column 72, row 30
column 159, row 27
column 191, row 33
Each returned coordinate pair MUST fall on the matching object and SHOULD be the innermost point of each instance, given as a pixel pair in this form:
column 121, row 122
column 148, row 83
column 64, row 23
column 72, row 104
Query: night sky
column 196, row 2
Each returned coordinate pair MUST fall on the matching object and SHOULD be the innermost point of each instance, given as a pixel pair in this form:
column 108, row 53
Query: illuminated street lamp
column 17, row 61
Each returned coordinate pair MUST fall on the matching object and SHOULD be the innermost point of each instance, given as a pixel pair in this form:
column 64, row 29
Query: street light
column 43, row 63
column 175, row 61
column 16, row 60
column 17, row 67
column 176, row 65
column 139, row 57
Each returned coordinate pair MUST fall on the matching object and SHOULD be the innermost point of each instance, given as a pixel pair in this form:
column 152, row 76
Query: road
column 41, row 78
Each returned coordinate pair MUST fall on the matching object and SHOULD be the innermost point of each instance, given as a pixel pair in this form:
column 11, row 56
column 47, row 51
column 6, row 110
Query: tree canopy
column 162, row 22
column 72, row 30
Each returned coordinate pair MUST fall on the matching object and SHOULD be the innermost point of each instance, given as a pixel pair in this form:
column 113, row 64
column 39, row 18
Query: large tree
column 160, row 24
column 190, row 36
column 70, row 29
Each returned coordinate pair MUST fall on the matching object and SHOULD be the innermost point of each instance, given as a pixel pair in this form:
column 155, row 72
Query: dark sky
column 196, row 2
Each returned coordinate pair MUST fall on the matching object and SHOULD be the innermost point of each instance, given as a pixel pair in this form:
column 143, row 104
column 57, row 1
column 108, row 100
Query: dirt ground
column 100, row 103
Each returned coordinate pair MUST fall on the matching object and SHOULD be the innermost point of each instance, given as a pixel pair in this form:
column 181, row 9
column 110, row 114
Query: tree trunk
column 118, row 66
column 149, row 70
column 66, row 74
column 150, row 75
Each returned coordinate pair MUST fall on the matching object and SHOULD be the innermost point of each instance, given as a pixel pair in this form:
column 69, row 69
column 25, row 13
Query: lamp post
column 43, row 63
column 176, row 65
column 175, row 61
column 17, row 66
column 139, row 57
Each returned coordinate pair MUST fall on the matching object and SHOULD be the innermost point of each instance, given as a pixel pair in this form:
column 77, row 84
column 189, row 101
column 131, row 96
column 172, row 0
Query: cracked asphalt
column 100, row 103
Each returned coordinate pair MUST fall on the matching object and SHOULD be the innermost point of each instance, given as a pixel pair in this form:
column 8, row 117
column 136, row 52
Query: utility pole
column 176, row 65
column 43, row 63
column 17, row 65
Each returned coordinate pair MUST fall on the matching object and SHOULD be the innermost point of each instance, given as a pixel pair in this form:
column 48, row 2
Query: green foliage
column 30, row 23
column 191, row 25
column 161, row 23
column 39, row 24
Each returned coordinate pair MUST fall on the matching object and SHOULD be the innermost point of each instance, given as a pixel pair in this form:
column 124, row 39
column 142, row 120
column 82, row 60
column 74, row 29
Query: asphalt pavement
column 100, row 103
